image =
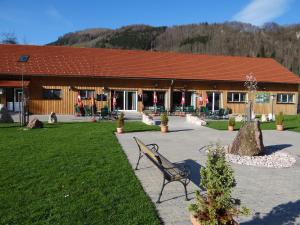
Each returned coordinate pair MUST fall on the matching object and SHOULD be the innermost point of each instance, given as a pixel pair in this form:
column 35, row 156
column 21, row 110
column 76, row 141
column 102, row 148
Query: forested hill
column 232, row 38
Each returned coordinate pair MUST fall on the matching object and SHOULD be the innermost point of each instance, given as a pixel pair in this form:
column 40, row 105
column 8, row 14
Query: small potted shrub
column 279, row 122
column 231, row 123
column 164, row 123
column 120, row 123
column 216, row 206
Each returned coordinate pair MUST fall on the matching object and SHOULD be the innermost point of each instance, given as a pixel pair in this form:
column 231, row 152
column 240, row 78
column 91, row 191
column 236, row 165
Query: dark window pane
column 51, row 93
column 236, row 97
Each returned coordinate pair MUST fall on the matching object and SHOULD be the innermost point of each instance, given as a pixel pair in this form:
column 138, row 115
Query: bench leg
column 137, row 164
column 161, row 191
column 185, row 189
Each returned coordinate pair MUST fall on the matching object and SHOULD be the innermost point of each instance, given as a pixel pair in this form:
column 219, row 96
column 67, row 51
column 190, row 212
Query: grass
column 291, row 123
column 72, row 173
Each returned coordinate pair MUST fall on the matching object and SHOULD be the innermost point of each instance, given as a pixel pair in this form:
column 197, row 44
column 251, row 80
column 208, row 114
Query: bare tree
column 9, row 38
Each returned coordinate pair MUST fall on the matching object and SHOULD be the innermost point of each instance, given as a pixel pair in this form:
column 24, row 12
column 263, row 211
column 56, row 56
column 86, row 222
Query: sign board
column 262, row 97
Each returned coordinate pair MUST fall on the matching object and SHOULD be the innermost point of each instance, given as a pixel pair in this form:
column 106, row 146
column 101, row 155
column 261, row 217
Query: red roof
column 95, row 62
column 13, row 83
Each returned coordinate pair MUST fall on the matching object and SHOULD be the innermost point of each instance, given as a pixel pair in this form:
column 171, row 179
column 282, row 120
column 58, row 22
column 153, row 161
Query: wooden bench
column 170, row 171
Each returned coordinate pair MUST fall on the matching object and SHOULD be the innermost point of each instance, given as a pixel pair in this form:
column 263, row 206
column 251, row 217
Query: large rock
column 5, row 116
column 35, row 123
column 248, row 141
column 52, row 118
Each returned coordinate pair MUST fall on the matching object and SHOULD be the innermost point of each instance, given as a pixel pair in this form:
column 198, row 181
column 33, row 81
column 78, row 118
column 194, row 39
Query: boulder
column 35, row 123
column 5, row 116
column 248, row 141
column 52, row 118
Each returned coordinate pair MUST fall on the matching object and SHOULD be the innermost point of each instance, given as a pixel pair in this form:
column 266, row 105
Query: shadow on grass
column 282, row 214
column 268, row 150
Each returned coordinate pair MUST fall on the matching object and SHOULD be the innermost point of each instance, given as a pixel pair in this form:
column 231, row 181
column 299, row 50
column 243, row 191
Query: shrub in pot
column 279, row 122
column 216, row 206
column 120, row 123
column 164, row 123
column 231, row 123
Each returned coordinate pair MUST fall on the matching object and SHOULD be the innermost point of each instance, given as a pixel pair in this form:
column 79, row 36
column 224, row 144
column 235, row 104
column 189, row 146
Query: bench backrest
column 166, row 167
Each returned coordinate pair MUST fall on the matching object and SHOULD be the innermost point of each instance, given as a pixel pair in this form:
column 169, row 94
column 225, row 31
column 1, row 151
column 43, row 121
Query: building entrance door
column 214, row 101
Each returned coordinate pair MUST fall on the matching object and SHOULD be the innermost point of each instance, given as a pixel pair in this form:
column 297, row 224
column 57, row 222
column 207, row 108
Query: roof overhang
column 14, row 83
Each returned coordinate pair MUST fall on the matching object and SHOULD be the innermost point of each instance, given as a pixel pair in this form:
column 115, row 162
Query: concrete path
column 73, row 118
column 273, row 195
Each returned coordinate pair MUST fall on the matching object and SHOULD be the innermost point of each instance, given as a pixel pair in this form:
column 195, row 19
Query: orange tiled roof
column 91, row 62
column 13, row 83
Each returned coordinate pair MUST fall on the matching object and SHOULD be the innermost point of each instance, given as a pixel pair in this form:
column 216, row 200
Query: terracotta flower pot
column 279, row 127
column 194, row 220
column 120, row 130
column 231, row 128
column 164, row 128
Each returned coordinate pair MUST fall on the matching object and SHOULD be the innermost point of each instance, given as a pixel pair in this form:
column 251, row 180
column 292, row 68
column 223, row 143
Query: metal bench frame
column 182, row 176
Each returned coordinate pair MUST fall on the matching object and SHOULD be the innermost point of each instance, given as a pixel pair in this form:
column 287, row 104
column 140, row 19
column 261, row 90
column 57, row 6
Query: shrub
column 231, row 121
column 279, row 119
column 164, row 119
column 120, row 121
column 216, row 206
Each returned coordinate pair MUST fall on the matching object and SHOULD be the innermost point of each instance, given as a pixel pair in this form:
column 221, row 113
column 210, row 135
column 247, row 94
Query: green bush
column 279, row 119
column 216, row 207
column 164, row 119
column 231, row 121
column 121, row 120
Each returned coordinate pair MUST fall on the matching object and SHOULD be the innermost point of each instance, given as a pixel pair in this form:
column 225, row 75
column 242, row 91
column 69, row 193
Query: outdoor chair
column 87, row 110
column 104, row 113
column 171, row 172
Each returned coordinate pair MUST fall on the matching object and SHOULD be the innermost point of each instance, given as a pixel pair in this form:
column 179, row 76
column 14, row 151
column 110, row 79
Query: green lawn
column 72, row 173
column 290, row 123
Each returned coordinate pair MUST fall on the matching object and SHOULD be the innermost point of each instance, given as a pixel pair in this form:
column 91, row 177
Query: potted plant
column 231, row 123
column 164, row 123
column 216, row 206
column 120, row 123
column 279, row 122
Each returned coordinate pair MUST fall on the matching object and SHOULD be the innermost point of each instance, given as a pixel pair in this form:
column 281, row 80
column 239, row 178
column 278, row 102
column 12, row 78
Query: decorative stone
column 52, row 118
column 35, row 123
column 5, row 116
column 195, row 120
column 248, row 141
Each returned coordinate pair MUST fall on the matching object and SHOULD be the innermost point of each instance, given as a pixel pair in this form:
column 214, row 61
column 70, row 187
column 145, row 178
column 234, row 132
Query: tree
column 9, row 38
column 216, row 207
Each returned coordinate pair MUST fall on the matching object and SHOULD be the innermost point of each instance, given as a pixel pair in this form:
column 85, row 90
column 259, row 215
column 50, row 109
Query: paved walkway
column 273, row 195
column 73, row 118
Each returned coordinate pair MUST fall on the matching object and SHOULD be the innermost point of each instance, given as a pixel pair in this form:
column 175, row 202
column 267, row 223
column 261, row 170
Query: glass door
column 214, row 101
column 124, row 100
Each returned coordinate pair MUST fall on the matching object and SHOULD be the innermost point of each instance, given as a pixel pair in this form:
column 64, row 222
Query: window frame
column 287, row 98
column 52, row 95
column 87, row 95
column 240, row 93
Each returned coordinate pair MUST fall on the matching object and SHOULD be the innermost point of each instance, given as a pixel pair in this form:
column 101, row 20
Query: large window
column 238, row 97
column 51, row 93
column 285, row 98
column 86, row 94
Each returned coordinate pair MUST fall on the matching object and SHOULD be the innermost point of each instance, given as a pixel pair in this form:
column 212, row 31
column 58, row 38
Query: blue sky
column 42, row 21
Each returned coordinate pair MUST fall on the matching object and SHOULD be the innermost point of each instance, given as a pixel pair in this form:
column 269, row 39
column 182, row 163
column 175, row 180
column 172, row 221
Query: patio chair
column 87, row 110
column 104, row 113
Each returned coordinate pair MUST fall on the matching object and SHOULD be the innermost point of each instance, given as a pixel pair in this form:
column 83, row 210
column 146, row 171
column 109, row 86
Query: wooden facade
column 69, row 89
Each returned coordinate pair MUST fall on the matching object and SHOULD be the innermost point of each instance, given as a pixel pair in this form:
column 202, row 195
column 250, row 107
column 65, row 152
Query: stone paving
column 273, row 195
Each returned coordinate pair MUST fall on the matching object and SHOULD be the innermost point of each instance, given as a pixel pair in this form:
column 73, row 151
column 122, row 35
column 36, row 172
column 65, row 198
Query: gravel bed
column 274, row 160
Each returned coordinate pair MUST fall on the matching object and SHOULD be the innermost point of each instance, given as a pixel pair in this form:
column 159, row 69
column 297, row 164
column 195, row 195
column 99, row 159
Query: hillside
column 232, row 38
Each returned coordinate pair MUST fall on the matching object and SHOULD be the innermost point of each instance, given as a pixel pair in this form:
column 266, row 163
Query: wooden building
column 52, row 78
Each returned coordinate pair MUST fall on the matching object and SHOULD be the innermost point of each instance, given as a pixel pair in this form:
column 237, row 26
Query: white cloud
column 258, row 12
column 55, row 15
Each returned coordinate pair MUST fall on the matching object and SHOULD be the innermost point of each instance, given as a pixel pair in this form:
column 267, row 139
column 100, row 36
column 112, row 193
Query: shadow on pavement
column 284, row 214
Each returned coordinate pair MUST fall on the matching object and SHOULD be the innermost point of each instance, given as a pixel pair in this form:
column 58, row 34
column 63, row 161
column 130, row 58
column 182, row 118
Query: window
column 86, row 94
column 285, row 98
column 51, row 93
column 262, row 97
column 236, row 97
